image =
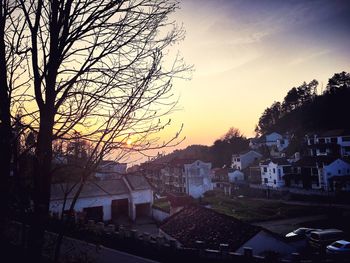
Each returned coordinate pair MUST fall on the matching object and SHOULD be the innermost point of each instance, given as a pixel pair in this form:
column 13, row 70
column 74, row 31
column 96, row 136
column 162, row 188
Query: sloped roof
column 312, row 161
column 137, row 182
column 220, row 171
column 90, row 189
column 198, row 223
column 279, row 161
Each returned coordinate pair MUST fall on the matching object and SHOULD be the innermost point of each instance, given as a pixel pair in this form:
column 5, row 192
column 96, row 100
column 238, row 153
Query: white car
column 340, row 247
column 301, row 233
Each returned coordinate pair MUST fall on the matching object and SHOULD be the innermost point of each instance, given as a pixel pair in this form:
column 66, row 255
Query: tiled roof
column 220, row 171
column 90, row 189
column 137, row 182
column 198, row 223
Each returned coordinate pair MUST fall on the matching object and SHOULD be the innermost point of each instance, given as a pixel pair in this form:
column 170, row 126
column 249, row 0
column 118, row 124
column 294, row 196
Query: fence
column 159, row 248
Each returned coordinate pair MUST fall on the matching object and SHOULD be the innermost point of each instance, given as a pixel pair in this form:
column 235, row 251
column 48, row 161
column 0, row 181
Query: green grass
column 256, row 210
column 162, row 204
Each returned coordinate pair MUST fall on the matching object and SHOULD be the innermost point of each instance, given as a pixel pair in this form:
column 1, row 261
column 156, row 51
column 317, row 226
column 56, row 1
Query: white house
column 272, row 172
column 197, row 178
column 245, row 159
column 332, row 172
column 273, row 139
column 235, row 176
column 106, row 199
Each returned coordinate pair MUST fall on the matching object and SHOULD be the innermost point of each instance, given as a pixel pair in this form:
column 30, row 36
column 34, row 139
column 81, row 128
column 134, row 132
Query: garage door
column 120, row 208
column 143, row 210
column 94, row 213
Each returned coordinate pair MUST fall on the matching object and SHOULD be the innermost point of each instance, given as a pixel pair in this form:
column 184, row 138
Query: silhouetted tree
column 232, row 142
column 11, row 57
column 97, row 67
column 338, row 81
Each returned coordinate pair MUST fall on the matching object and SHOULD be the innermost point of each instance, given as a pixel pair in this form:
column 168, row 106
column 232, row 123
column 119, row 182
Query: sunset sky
column 249, row 53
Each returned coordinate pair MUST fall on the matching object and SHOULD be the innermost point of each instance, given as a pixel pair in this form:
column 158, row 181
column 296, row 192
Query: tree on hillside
column 233, row 141
column 338, row 81
column 96, row 67
column 269, row 118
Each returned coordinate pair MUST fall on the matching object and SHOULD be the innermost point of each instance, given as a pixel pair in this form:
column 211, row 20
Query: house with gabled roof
column 320, row 172
column 102, row 200
column 196, row 223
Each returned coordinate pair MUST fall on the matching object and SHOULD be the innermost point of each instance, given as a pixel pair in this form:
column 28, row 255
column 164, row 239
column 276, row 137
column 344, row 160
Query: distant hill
column 200, row 152
column 219, row 154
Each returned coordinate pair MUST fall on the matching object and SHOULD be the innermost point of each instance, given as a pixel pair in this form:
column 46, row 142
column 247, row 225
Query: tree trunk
column 42, row 184
column 5, row 124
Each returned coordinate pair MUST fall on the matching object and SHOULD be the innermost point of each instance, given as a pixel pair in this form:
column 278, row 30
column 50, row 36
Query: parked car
column 339, row 248
column 301, row 233
column 320, row 239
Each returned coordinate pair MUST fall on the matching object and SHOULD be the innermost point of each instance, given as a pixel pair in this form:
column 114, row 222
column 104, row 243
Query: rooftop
column 198, row 223
column 90, row 189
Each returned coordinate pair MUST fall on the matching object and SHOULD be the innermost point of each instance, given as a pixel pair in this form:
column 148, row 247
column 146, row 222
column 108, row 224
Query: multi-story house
column 192, row 177
column 273, row 170
column 243, row 160
column 320, row 172
column 334, row 142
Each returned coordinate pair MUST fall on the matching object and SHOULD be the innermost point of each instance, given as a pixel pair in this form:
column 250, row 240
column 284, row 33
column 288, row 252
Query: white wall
column 235, row 176
column 198, row 178
column 105, row 201
column 159, row 215
column 336, row 168
column 271, row 139
column 274, row 175
column 263, row 241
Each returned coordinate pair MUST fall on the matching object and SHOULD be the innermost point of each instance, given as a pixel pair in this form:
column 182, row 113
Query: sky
column 248, row 53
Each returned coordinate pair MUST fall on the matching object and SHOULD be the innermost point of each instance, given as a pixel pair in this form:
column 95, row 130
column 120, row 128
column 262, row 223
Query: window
column 265, row 180
column 311, row 141
column 339, row 171
column 321, row 141
column 238, row 159
column 279, row 177
column 265, row 169
column 274, row 181
column 346, row 139
column 334, row 140
column 274, row 170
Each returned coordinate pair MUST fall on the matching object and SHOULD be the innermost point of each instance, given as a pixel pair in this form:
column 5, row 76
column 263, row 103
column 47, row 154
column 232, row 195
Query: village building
column 272, row 140
column 195, row 223
column 322, row 172
column 334, row 142
column 188, row 176
column 245, row 159
column 103, row 200
column 273, row 170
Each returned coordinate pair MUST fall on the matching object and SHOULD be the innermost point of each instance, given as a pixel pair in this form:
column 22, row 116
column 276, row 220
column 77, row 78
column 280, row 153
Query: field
column 254, row 210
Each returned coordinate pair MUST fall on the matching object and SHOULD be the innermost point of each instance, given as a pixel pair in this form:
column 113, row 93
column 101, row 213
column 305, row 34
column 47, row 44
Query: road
column 285, row 226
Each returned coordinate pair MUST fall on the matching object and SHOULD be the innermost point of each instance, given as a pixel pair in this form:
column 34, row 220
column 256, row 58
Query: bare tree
column 12, row 54
column 97, row 67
